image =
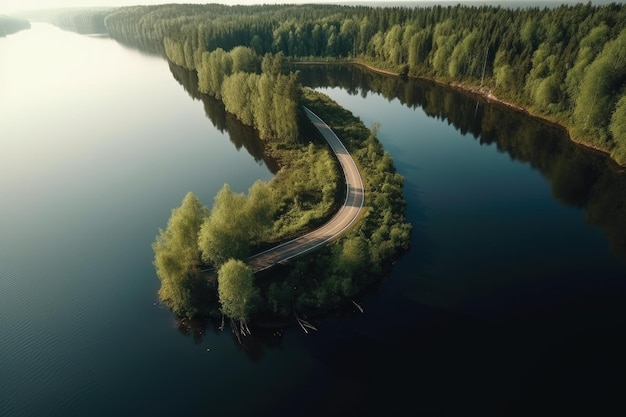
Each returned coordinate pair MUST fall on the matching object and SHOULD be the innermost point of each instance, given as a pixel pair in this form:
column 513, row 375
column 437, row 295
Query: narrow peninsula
column 564, row 64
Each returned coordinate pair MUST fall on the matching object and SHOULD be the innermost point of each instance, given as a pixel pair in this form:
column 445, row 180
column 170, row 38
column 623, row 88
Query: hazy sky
column 7, row 6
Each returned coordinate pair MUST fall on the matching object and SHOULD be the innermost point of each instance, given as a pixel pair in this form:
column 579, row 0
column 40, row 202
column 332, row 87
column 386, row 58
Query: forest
column 9, row 25
column 84, row 21
column 566, row 64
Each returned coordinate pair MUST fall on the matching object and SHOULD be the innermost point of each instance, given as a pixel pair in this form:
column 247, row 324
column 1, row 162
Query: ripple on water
column 36, row 366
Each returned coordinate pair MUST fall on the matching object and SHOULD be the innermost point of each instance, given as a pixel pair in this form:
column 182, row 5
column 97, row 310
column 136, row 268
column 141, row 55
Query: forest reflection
column 240, row 134
column 578, row 177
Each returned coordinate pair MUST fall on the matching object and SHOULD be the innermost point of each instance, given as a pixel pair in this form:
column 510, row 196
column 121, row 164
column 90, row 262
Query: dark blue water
column 510, row 301
column 98, row 143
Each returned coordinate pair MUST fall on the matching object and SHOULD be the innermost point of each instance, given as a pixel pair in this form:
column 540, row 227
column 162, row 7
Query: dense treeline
column 9, row 25
column 83, row 21
column 565, row 63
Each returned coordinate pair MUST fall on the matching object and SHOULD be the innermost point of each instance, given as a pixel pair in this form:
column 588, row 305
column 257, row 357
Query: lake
column 509, row 302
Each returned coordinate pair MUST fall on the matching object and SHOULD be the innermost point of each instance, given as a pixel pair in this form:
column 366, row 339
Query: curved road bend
column 336, row 226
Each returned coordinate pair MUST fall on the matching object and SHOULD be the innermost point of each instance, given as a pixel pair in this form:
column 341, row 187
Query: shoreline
column 488, row 96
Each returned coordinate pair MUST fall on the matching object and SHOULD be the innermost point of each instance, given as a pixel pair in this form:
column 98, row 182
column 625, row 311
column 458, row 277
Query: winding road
column 335, row 227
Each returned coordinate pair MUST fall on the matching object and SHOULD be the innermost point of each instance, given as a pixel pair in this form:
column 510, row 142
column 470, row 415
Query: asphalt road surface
column 338, row 225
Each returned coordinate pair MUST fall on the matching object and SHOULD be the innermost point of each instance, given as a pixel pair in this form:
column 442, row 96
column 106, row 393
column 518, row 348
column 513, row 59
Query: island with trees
column 11, row 24
column 566, row 64
column 201, row 255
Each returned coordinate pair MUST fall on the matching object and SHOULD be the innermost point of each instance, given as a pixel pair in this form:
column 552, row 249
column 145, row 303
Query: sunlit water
column 97, row 144
column 508, row 300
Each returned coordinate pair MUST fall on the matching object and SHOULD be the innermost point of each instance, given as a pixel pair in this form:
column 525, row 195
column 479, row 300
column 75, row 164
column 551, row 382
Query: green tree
column 419, row 48
column 235, row 223
column 213, row 68
column 464, row 57
column 262, row 104
column 444, row 42
column 273, row 64
column 599, row 91
column 589, row 48
column 259, row 211
column 244, row 59
column 177, row 256
column 392, row 45
column 237, row 92
column 541, row 84
column 285, row 107
column 618, row 130
column 223, row 234
column 505, row 77
column 237, row 294
column 349, row 31
column 366, row 31
column 531, row 32
column 351, row 257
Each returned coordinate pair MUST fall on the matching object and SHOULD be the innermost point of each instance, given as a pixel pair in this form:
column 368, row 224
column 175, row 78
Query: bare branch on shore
column 357, row 306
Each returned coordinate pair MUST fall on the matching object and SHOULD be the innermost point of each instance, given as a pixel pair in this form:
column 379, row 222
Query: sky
column 8, row 6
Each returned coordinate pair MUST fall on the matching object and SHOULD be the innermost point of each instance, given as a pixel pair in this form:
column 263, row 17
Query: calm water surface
column 510, row 302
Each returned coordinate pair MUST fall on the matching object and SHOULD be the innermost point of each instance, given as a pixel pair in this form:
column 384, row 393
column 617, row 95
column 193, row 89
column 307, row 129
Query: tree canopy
column 177, row 257
column 237, row 292
column 235, row 223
